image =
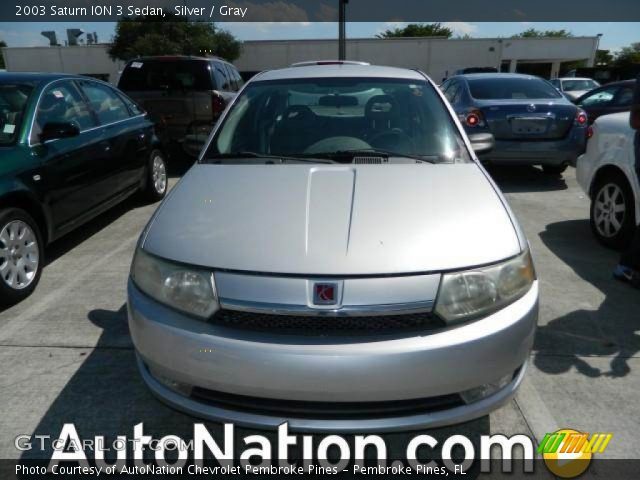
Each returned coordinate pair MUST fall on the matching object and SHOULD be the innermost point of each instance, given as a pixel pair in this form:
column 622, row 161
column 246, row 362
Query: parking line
column 535, row 412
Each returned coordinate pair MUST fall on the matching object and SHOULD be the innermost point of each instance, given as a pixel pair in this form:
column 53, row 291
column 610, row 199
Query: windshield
column 578, row 85
column 511, row 89
column 13, row 102
column 323, row 117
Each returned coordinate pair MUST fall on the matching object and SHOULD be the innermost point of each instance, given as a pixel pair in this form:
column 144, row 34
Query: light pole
column 342, row 30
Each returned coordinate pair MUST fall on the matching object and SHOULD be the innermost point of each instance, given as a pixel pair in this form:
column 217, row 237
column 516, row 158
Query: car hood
column 333, row 220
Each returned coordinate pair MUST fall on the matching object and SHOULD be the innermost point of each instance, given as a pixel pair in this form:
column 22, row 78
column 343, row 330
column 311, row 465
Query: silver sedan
column 337, row 259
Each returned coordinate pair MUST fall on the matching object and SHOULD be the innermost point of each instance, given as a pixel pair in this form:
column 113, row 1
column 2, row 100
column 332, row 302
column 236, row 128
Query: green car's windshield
column 13, row 102
column 339, row 119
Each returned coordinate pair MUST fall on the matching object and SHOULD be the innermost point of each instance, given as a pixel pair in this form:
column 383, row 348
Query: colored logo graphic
column 325, row 294
column 567, row 453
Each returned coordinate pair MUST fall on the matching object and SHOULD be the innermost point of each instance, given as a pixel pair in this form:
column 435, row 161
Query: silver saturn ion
column 336, row 259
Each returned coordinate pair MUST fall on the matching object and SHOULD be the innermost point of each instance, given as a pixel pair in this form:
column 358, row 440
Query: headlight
column 478, row 292
column 184, row 288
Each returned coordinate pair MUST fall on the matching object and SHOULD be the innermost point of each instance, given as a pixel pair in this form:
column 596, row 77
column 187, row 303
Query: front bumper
column 274, row 367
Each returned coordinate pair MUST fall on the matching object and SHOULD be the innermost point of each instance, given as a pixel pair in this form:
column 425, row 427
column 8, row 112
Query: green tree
column 418, row 30
column 604, row 57
column 628, row 56
column 174, row 35
column 2, row 45
column 533, row 33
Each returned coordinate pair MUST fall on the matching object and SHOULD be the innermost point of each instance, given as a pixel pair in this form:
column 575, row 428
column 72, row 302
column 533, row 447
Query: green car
column 70, row 148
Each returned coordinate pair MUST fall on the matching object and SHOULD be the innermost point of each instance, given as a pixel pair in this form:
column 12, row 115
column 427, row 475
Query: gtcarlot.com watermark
column 205, row 455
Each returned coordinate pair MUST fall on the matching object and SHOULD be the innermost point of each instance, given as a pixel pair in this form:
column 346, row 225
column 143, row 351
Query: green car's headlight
column 190, row 290
column 478, row 292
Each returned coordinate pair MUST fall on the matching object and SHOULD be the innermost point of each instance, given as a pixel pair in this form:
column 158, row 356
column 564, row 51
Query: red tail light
column 472, row 118
column 217, row 105
column 590, row 131
column 582, row 118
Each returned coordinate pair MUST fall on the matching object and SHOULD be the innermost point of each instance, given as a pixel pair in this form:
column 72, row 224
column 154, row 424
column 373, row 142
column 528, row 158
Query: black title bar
column 323, row 10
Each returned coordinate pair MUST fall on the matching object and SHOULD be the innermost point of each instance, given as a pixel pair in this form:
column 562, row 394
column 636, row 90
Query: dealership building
column 438, row 57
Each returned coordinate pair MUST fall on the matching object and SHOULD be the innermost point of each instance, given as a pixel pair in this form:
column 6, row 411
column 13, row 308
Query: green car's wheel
column 21, row 255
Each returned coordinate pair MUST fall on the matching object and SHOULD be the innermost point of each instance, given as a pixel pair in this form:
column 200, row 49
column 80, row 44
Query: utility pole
column 342, row 34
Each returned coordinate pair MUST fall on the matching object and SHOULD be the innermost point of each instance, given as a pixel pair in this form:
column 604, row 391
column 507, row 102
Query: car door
column 68, row 176
column 124, row 138
column 598, row 102
column 622, row 101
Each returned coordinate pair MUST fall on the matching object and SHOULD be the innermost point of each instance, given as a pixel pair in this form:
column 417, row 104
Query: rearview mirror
column 482, row 142
column 54, row 130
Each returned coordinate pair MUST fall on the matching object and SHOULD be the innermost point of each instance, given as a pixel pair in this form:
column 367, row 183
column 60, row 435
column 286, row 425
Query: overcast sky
column 615, row 35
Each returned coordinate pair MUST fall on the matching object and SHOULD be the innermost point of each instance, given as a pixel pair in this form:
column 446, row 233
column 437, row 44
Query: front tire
column 554, row 169
column 21, row 255
column 156, row 182
column 613, row 211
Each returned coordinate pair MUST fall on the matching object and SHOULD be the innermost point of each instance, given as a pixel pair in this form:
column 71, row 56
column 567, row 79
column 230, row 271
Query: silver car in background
column 337, row 259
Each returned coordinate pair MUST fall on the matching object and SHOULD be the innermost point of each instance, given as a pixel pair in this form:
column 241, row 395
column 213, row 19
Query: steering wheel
column 394, row 140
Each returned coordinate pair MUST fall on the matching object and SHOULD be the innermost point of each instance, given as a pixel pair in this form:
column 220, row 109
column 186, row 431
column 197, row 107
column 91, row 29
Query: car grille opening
column 328, row 326
column 325, row 410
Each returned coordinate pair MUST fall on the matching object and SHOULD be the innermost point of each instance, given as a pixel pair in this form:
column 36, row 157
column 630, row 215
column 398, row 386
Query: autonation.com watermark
column 204, row 454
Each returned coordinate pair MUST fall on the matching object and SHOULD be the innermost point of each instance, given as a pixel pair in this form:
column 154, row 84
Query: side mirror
column 634, row 118
column 55, row 130
column 482, row 142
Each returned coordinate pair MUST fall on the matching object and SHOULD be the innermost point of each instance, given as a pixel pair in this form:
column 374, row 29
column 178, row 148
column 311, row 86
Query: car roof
column 340, row 70
column 620, row 82
column 33, row 77
column 575, row 78
column 497, row 76
column 168, row 58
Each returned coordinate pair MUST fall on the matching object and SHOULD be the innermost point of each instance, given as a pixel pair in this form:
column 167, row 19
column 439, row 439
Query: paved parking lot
column 67, row 356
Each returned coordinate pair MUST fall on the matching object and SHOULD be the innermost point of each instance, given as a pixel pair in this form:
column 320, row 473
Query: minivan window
column 232, row 78
column 13, row 103
column 108, row 106
column 511, row 88
column 61, row 103
column 325, row 116
column 147, row 75
column 221, row 76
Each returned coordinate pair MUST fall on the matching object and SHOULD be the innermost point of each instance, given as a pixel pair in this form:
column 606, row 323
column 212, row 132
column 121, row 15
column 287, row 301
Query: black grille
column 325, row 410
column 326, row 325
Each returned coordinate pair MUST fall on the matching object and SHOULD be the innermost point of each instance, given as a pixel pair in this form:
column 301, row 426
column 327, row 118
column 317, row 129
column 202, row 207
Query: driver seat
column 380, row 114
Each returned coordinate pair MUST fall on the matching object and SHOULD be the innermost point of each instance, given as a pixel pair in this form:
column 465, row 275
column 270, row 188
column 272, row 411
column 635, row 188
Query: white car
column 573, row 88
column 606, row 172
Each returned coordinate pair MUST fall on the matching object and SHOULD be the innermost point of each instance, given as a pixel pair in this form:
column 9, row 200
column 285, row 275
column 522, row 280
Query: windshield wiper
column 377, row 151
column 220, row 157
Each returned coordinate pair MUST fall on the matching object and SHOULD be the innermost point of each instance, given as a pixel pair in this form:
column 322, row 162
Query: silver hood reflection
column 324, row 220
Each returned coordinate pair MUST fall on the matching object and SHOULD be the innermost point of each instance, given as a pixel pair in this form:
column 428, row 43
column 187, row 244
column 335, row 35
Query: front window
column 13, row 103
column 578, row 85
column 512, row 89
column 601, row 97
column 337, row 119
column 62, row 102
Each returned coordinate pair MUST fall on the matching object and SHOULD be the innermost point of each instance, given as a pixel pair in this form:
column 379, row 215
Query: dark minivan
column 184, row 95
